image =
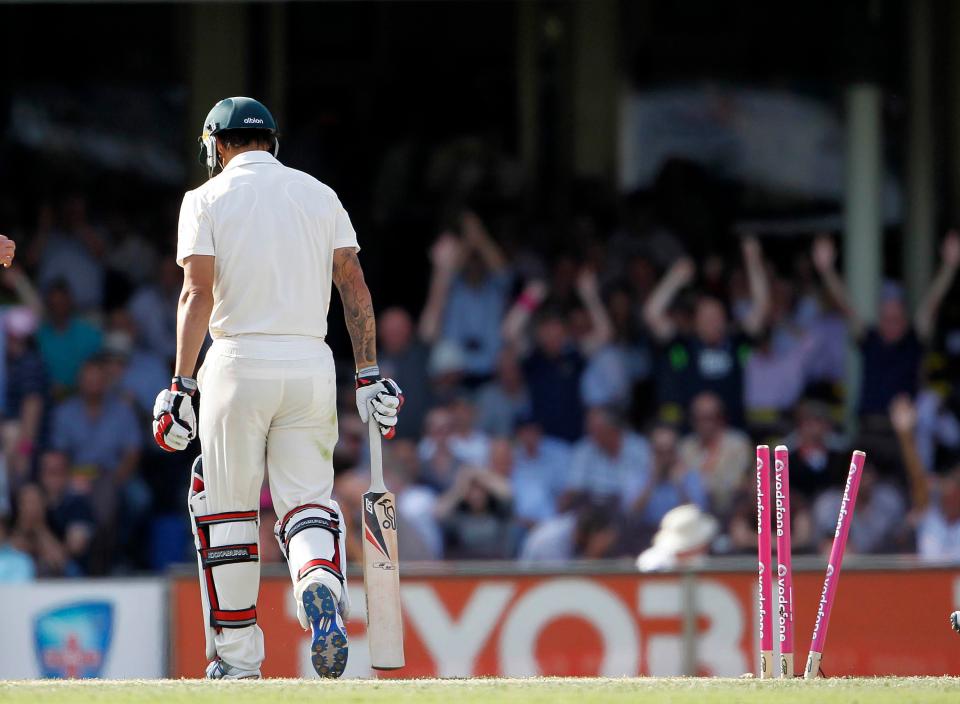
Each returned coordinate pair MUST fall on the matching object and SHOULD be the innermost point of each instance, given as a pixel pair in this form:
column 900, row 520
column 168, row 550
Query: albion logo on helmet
column 252, row 120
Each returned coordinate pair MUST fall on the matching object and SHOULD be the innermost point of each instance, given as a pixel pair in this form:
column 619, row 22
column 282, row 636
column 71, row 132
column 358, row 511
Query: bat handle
column 376, row 456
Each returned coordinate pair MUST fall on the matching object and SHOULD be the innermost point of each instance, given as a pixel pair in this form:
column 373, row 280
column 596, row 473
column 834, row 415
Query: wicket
column 763, row 550
column 784, row 561
column 781, row 469
column 844, row 516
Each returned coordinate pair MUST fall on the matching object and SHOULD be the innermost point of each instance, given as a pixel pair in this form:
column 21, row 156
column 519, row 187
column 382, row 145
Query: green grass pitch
column 491, row 691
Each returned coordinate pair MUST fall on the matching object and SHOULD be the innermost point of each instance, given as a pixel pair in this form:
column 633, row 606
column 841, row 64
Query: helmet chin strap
column 213, row 159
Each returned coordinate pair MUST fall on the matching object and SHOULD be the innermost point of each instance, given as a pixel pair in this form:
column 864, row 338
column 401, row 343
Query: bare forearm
column 430, row 319
column 916, row 473
column 601, row 326
column 759, row 295
column 926, row 315
column 193, row 318
column 655, row 309
column 515, row 322
column 837, row 290
column 357, row 307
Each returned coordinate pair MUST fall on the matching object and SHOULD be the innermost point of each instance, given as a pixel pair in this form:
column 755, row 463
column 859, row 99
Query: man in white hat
column 685, row 535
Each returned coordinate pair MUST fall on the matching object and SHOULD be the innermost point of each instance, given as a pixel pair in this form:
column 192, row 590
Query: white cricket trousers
column 264, row 402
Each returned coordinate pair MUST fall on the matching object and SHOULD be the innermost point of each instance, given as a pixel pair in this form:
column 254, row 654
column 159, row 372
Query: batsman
column 260, row 244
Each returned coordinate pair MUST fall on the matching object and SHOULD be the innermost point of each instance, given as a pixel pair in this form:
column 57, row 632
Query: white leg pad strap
column 227, row 554
column 312, row 538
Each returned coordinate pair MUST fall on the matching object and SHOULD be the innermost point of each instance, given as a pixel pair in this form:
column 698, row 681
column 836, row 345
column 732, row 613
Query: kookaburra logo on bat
column 389, row 514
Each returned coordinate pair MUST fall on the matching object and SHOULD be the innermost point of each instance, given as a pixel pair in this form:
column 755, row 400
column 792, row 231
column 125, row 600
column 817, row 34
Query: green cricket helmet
column 234, row 114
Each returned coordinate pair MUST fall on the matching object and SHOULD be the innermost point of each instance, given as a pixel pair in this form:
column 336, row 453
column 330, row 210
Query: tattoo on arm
column 357, row 306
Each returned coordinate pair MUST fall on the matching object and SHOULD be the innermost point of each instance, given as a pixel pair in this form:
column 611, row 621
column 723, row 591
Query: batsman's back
column 272, row 230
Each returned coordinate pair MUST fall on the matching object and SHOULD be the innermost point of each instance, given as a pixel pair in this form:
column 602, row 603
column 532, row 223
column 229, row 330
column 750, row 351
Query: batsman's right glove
column 955, row 621
column 382, row 397
column 174, row 421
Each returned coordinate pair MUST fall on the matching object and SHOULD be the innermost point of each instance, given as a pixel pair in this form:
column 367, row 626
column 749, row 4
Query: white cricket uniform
column 267, row 384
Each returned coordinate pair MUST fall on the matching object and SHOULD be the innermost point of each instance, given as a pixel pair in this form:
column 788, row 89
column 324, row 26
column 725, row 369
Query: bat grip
column 376, row 456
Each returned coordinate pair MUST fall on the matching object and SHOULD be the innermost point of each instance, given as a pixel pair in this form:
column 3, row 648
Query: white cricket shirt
column 272, row 230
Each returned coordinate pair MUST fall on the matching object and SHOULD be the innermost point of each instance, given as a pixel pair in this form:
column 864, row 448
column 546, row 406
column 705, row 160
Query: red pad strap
column 292, row 512
column 233, row 618
column 320, row 564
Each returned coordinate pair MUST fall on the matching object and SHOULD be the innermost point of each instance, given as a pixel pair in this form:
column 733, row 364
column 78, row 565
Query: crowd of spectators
column 559, row 403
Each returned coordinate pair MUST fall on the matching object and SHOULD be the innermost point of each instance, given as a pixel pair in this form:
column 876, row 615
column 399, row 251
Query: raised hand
column 587, row 284
column 683, row 270
column 824, row 253
column 903, row 414
column 8, row 249
column 750, row 246
column 445, row 253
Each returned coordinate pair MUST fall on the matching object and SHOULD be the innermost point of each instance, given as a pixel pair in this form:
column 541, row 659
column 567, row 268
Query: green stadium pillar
column 920, row 230
column 596, row 88
column 862, row 216
column 863, row 208
column 217, row 62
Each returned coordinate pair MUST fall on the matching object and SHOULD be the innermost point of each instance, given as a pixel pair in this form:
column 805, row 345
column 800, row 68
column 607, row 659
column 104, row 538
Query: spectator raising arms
column 468, row 294
column 712, row 358
column 563, row 343
column 891, row 348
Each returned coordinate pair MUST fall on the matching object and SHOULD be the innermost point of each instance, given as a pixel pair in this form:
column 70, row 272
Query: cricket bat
column 381, row 564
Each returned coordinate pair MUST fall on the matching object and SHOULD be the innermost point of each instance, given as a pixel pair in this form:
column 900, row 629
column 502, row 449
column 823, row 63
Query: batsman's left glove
column 955, row 621
column 380, row 396
column 174, row 421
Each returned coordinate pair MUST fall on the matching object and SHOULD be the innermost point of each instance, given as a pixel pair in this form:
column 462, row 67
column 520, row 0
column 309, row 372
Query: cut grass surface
column 489, row 691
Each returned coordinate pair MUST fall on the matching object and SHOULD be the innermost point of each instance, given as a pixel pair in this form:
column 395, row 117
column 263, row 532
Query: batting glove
column 174, row 422
column 380, row 396
column 955, row 621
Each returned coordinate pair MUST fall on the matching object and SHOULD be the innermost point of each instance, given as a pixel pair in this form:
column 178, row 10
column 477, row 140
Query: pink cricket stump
column 765, row 565
column 844, row 517
column 781, row 486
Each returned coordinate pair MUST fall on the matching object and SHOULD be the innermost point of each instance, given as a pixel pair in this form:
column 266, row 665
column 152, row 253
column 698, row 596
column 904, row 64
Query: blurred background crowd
column 610, row 251
column 558, row 402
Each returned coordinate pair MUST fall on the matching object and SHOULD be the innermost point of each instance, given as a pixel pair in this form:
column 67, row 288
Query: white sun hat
column 683, row 529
